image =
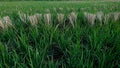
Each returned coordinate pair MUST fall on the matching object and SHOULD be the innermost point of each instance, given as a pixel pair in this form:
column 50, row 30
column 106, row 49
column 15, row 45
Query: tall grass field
column 60, row 34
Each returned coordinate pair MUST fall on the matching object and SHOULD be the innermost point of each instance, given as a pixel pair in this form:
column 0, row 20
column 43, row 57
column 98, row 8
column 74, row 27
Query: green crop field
column 60, row 34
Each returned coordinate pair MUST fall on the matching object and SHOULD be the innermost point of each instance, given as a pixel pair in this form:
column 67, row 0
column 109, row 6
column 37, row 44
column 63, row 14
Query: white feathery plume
column 1, row 24
column 7, row 21
column 107, row 18
column 90, row 18
column 73, row 18
column 99, row 16
column 23, row 17
column 116, row 16
column 48, row 19
column 33, row 20
column 38, row 16
column 60, row 17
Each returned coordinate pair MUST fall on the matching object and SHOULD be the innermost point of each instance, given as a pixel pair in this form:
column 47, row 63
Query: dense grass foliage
column 56, row 0
column 59, row 46
column 7, row 8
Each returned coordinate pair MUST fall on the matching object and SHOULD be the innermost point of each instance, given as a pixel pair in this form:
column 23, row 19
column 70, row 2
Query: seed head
column 99, row 16
column 1, row 24
column 33, row 20
column 107, row 18
column 7, row 21
column 23, row 17
column 116, row 16
column 90, row 18
column 60, row 17
column 72, row 18
column 38, row 16
column 48, row 19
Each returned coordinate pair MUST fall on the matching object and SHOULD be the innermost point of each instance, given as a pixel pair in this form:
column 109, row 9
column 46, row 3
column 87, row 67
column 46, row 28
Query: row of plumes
column 71, row 18
column 48, row 18
column 90, row 18
column 5, row 22
column 101, row 18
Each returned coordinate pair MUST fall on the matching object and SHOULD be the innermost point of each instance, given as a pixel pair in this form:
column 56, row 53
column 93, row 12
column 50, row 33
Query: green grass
column 7, row 8
column 84, row 46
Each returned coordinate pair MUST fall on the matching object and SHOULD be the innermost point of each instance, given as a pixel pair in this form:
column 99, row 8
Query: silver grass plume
column 116, row 16
column 1, row 24
column 90, row 18
column 48, row 19
column 60, row 17
column 7, row 22
column 73, row 18
column 107, row 18
column 99, row 17
column 33, row 20
column 23, row 17
column 38, row 16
